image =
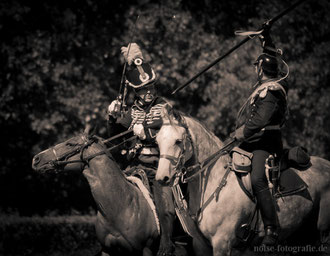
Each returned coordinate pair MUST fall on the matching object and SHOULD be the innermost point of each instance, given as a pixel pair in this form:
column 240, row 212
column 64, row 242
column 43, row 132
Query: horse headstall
column 178, row 163
column 61, row 161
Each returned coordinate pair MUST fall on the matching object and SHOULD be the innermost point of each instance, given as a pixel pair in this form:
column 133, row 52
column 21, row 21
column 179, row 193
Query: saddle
column 283, row 180
column 145, row 174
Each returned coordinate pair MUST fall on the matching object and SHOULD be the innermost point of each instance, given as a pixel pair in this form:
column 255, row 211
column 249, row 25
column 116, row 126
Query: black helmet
column 139, row 73
column 268, row 63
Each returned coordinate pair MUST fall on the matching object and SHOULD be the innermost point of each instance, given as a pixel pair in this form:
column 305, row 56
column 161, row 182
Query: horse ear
column 88, row 128
column 90, row 125
column 167, row 111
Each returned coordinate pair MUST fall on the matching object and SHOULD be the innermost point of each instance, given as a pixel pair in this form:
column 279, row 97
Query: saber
column 269, row 23
column 122, row 95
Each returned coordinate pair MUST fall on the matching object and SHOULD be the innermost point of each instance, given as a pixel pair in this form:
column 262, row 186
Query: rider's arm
column 119, row 124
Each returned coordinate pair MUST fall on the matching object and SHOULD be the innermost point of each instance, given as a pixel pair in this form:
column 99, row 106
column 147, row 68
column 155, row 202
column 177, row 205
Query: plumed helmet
column 268, row 63
column 139, row 72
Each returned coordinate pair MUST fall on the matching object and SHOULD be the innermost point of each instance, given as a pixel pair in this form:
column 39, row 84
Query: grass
column 53, row 236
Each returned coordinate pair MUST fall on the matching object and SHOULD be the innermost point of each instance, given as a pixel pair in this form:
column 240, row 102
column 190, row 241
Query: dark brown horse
column 126, row 223
column 222, row 212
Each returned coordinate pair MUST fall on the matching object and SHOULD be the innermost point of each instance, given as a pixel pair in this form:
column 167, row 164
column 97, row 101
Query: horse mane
column 183, row 117
column 186, row 121
column 197, row 131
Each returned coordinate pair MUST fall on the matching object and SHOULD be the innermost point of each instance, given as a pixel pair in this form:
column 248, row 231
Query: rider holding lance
column 144, row 118
column 258, row 128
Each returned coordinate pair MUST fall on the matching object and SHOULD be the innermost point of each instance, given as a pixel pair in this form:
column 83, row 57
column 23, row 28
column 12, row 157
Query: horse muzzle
column 165, row 180
column 41, row 166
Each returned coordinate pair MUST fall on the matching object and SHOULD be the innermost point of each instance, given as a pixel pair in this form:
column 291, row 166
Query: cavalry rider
column 144, row 118
column 258, row 129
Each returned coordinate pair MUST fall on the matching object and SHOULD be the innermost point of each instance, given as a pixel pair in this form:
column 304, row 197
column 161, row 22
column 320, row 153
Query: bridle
column 186, row 152
column 63, row 160
column 185, row 173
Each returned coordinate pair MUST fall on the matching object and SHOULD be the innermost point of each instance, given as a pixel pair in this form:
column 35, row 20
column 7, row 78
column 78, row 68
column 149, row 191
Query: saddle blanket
column 290, row 183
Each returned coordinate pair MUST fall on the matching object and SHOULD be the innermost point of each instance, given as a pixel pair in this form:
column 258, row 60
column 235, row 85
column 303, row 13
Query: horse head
column 174, row 145
column 67, row 155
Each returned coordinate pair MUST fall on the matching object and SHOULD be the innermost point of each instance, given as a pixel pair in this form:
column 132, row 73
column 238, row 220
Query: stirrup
column 271, row 236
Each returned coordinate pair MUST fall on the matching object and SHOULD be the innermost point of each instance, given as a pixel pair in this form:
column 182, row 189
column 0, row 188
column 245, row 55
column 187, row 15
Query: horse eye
column 178, row 142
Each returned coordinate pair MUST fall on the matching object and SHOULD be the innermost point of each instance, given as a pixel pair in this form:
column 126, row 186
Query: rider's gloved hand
column 265, row 38
column 238, row 134
column 138, row 130
column 114, row 108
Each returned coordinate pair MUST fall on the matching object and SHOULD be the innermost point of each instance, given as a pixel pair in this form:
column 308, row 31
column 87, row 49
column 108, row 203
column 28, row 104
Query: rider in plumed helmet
column 144, row 118
column 258, row 128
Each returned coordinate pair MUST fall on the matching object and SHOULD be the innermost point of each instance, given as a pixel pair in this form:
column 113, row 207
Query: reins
column 204, row 165
column 182, row 172
column 58, row 163
column 201, row 167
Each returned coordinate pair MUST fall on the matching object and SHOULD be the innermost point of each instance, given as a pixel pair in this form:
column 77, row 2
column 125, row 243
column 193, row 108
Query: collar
column 140, row 105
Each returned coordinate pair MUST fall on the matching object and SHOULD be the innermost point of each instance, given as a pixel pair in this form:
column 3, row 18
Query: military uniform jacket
column 265, row 110
column 147, row 116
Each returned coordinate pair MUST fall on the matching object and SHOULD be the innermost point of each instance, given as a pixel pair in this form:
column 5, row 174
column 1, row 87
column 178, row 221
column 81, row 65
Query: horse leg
column 224, row 239
column 323, row 223
column 200, row 249
column 166, row 214
column 147, row 252
column 325, row 242
column 102, row 253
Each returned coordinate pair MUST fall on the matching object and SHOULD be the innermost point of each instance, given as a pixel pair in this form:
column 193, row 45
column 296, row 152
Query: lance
column 269, row 23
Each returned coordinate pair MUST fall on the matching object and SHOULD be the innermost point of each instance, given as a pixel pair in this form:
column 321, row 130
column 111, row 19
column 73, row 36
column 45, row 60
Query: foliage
column 65, row 235
column 61, row 64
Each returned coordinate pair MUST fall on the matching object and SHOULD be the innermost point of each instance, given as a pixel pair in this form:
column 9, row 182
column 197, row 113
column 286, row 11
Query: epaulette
column 262, row 90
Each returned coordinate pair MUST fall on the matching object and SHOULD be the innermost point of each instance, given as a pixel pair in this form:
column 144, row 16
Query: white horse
column 220, row 203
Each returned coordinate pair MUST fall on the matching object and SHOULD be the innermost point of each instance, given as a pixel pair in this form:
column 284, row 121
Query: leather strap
column 174, row 160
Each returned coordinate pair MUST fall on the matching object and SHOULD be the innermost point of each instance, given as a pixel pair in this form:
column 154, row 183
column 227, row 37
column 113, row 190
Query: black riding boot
column 269, row 217
column 166, row 214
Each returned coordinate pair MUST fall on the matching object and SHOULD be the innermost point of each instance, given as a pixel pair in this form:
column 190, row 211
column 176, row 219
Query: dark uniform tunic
column 146, row 151
column 260, row 118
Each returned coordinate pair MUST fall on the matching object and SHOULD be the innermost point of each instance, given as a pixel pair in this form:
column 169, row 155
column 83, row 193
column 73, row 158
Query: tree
column 62, row 63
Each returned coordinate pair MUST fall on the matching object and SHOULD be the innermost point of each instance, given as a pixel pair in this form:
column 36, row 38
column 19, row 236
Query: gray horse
column 127, row 222
column 223, row 209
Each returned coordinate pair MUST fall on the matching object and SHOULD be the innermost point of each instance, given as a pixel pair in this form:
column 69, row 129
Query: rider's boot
column 269, row 217
column 166, row 214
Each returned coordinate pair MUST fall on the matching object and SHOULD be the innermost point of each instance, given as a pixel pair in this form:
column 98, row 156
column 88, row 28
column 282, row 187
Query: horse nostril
column 164, row 181
column 36, row 160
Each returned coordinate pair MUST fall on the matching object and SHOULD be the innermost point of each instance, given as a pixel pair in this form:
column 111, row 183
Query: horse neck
column 205, row 144
column 107, row 182
column 204, row 141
